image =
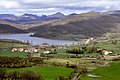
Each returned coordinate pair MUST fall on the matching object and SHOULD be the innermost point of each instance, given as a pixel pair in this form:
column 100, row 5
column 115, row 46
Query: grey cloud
column 65, row 6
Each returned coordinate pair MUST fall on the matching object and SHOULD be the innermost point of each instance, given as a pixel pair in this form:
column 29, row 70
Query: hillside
column 75, row 27
column 5, row 28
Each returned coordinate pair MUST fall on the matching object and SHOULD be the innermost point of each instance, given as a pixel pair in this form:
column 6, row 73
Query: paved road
column 76, row 76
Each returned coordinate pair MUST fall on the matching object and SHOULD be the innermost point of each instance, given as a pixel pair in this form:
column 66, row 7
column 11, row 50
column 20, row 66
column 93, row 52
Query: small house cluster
column 22, row 49
column 105, row 52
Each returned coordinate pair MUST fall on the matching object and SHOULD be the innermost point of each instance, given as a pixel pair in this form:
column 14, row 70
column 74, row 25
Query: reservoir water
column 35, row 40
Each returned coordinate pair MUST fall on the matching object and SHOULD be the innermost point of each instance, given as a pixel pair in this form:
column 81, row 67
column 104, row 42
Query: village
column 45, row 48
column 82, row 57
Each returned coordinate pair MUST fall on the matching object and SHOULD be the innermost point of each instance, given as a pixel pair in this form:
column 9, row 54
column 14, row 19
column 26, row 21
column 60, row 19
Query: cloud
column 52, row 6
column 5, row 4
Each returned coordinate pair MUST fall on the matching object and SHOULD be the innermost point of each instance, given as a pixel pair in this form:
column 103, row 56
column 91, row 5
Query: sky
column 47, row 7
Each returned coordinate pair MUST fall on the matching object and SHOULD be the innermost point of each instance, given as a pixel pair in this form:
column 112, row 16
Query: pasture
column 48, row 72
column 8, row 53
column 107, row 73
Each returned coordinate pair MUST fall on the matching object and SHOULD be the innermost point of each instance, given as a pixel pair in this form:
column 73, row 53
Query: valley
column 60, row 47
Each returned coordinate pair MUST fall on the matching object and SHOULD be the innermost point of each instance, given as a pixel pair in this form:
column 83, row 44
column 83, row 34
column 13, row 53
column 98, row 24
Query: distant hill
column 85, row 25
column 8, row 16
column 73, row 14
column 30, row 18
column 114, row 13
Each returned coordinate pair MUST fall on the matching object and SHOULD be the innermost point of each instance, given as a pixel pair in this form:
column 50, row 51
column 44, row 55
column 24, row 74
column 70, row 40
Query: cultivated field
column 47, row 72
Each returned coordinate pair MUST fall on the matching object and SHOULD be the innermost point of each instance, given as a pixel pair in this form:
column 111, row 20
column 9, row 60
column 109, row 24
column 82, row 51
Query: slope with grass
column 107, row 73
column 47, row 72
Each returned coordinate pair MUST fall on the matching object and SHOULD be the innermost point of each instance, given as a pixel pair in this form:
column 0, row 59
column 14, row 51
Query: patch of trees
column 17, row 62
column 16, row 75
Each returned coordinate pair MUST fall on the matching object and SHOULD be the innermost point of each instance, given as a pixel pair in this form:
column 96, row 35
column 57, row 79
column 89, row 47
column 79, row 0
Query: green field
column 61, row 55
column 47, row 72
column 111, row 72
column 8, row 53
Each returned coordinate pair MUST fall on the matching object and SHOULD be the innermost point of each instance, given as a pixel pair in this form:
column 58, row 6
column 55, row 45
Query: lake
column 35, row 40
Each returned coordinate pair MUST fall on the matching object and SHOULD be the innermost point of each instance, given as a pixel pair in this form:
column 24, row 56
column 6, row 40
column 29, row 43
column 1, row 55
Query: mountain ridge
column 75, row 27
column 84, row 25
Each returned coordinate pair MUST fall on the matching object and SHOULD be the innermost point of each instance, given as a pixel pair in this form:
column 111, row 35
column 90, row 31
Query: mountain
column 91, row 24
column 30, row 18
column 27, row 16
column 114, row 13
column 73, row 14
column 57, row 15
column 8, row 16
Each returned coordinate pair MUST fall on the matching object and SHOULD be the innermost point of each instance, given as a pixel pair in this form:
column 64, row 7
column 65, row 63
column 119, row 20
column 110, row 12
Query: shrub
column 61, row 78
column 2, row 73
column 14, row 75
column 75, row 51
column 91, row 49
column 15, row 62
column 30, row 75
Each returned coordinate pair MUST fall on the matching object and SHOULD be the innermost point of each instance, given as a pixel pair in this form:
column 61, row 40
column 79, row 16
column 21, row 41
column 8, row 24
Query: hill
column 75, row 27
column 57, row 15
column 5, row 28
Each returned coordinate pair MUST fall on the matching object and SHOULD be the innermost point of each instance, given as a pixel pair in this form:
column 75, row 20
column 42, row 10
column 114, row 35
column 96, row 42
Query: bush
column 2, row 73
column 14, row 75
column 75, row 51
column 30, row 75
column 91, row 49
column 15, row 62
column 61, row 78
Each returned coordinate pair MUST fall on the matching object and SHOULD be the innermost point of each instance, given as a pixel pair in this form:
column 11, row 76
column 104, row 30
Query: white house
column 107, row 53
column 46, row 52
column 21, row 49
column 14, row 49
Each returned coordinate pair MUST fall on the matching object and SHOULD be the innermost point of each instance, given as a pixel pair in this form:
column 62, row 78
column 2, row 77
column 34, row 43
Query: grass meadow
column 111, row 72
column 48, row 72
column 8, row 53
